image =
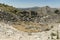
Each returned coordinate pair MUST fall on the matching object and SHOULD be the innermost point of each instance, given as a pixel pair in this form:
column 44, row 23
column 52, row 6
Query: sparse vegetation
column 53, row 34
column 57, row 11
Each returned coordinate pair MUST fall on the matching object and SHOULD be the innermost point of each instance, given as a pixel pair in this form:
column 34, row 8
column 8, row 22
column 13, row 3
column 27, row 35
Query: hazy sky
column 31, row 3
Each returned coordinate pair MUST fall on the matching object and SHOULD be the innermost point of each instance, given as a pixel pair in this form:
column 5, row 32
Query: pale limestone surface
column 7, row 32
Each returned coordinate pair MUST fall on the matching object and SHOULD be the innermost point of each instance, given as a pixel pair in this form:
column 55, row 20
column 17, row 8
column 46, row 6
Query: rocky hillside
column 43, row 14
column 35, row 20
column 39, row 14
column 37, row 23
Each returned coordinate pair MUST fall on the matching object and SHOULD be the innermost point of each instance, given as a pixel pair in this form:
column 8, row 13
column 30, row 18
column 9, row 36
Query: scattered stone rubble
column 7, row 32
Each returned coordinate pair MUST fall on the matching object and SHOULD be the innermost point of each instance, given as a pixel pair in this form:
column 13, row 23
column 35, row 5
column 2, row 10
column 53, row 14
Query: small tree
column 57, row 11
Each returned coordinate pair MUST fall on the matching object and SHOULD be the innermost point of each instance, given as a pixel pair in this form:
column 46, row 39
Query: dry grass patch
column 31, row 27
